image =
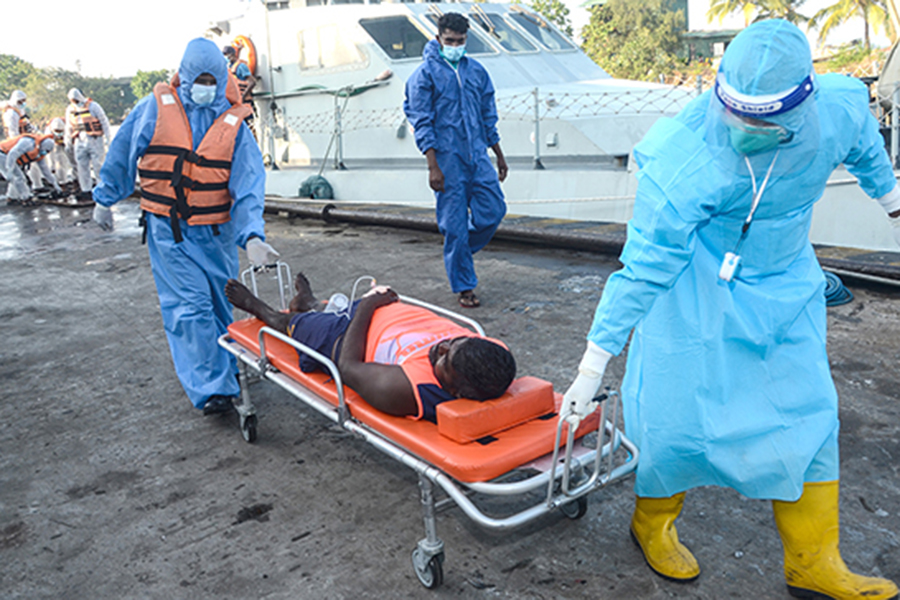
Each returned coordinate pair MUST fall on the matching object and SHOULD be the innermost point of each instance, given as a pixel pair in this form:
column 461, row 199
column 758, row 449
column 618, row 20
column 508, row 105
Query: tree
column 719, row 9
column 143, row 81
column 634, row 40
column 873, row 13
column 15, row 74
column 556, row 12
column 782, row 9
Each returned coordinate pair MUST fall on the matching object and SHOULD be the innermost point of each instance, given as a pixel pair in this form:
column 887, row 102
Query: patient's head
column 474, row 368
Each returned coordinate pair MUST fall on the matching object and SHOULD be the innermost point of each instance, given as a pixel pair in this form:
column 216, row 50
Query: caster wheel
column 575, row 510
column 248, row 428
column 431, row 575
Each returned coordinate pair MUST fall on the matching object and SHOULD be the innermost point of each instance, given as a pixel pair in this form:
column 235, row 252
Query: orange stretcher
column 511, row 446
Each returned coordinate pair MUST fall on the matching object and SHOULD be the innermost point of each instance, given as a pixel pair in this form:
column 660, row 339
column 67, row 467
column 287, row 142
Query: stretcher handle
column 283, row 273
column 565, row 488
column 472, row 323
column 343, row 412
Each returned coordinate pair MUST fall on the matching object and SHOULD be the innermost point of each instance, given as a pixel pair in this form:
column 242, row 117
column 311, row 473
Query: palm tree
column 782, row 9
column 719, row 9
column 873, row 13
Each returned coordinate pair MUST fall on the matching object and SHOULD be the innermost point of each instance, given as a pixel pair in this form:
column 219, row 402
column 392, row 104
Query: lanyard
column 757, row 195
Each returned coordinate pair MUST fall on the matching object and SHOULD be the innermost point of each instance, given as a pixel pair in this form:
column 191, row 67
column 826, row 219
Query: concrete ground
column 113, row 486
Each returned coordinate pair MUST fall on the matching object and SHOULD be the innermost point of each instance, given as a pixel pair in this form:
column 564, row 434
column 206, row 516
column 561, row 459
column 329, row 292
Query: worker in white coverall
column 59, row 160
column 86, row 128
column 26, row 149
column 16, row 122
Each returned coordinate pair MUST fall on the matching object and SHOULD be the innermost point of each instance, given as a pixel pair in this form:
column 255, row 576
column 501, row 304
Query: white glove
column 578, row 401
column 103, row 217
column 260, row 253
column 895, row 226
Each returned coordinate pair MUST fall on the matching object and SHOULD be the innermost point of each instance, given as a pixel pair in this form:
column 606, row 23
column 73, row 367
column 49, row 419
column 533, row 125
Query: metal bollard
column 537, row 130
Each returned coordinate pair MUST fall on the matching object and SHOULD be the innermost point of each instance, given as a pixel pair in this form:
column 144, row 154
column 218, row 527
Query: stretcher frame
column 571, row 472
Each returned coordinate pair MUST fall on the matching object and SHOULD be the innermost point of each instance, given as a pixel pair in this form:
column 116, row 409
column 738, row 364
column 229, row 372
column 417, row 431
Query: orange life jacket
column 25, row 125
column 81, row 119
column 180, row 182
column 242, row 84
column 31, row 156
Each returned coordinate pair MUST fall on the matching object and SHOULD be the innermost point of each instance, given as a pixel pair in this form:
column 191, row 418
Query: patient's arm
column 385, row 387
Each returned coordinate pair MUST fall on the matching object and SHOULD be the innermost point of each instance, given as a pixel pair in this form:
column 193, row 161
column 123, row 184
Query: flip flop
column 468, row 299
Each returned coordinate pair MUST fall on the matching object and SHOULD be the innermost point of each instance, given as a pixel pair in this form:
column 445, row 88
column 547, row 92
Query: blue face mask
column 453, row 53
column 203, row 95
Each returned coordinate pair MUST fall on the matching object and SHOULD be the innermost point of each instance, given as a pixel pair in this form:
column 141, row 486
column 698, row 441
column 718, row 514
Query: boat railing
column 535, row 106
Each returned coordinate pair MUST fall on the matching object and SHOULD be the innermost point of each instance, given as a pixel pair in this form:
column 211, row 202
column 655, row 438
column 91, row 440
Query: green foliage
column 634, row 39
column 14, row 74
column 781, row 9
column 47, row 88
column 555, row 12
column 849, row 57
column 143, row 81
column 872, row 12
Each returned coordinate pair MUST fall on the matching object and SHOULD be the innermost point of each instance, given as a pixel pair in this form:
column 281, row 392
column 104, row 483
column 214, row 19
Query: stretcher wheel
column 432, row 574
column 574, row 510
column 248, row 428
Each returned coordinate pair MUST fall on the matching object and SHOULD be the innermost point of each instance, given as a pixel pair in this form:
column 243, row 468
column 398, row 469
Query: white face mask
column 203, row 95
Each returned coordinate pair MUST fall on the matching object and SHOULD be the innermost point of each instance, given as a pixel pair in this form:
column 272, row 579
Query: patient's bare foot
column 239, row 295
column 304, row 301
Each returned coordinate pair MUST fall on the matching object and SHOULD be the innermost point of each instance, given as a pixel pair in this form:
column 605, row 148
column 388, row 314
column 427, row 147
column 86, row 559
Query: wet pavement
column 113, row 486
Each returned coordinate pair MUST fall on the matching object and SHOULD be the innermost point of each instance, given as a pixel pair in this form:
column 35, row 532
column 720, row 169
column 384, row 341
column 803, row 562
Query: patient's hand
column 378, row 296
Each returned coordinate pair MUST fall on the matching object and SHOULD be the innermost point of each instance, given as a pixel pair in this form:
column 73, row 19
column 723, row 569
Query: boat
column 330, row 95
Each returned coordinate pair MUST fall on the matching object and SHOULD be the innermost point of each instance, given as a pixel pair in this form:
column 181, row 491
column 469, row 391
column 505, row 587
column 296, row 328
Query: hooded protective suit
column 87, row 150
column 728, row 383
column 18, row 188
column 191, row 275
column 453, row 111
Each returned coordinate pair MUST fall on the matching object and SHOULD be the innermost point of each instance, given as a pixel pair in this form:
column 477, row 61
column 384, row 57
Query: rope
column 836, row 293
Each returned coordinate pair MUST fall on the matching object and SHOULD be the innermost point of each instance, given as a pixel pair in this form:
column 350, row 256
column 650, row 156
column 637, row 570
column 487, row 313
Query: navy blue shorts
column 323, row 332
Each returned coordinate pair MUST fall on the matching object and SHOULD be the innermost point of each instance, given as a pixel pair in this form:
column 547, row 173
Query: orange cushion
column 483, row 460
column 465, row 421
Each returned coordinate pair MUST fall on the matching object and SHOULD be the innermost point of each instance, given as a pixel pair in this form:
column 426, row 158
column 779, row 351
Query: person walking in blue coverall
column 450, row 104
column 727, row 381
column 203, row 196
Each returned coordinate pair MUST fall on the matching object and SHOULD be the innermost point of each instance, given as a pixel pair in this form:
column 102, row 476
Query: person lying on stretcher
column 403, row 360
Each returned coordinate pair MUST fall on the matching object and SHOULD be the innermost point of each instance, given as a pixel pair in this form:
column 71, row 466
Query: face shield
column 764, row 101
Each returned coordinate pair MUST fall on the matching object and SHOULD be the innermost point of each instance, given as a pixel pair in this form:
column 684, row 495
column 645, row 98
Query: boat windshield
column 474, row 43
column 541, row 31
column 501, row 31
column 397, row 35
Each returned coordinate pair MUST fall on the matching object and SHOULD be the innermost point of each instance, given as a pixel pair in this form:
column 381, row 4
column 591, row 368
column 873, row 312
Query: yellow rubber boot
column 813, row 567
column 653, row 528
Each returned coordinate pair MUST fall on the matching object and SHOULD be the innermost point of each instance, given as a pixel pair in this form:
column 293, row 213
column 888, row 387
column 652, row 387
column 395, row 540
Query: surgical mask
column 203, row 95
column 453, row 53
column 749, row 138
column 22, row 106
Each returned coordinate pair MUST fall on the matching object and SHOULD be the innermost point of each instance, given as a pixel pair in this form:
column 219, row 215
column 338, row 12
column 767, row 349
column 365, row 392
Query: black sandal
column 468, row 299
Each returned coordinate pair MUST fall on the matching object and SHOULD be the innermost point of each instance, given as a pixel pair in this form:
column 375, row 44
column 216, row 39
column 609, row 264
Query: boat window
column 327, row 46
column 398, row 36
column 348, row 1
column 501, row 31
column 540, row 30
column 474, row 44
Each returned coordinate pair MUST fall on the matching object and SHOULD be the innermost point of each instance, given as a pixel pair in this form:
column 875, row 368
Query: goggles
column 760, row 107
column 753, row 125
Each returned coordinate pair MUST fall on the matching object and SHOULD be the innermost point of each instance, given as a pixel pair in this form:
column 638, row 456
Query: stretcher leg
column 428, row 556
column 245, row 408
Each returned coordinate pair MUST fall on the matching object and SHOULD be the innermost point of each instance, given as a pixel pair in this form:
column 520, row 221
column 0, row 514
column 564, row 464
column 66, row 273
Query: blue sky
column 120, row 37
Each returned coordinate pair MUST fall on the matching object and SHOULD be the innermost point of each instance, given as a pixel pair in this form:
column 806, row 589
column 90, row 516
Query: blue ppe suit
column 453, row 111
column 191, row 275
column 728, row 383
